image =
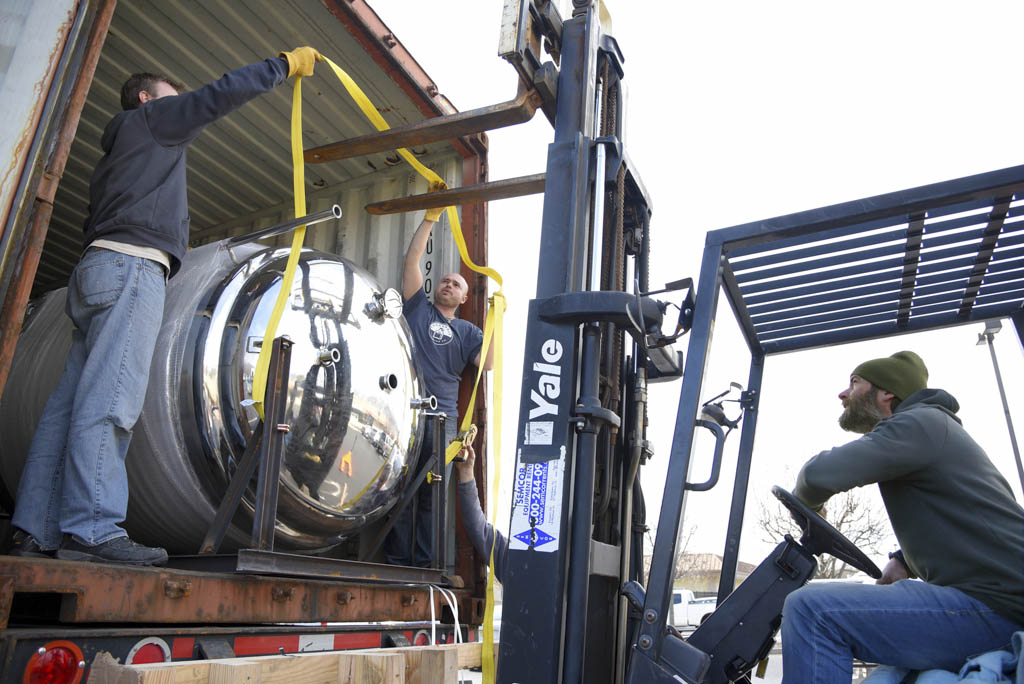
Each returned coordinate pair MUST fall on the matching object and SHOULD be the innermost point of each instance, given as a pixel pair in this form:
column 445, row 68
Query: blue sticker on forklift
column 534, row 537
column 536, row 506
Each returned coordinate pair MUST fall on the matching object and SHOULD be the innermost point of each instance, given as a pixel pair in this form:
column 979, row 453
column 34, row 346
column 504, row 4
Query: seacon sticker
column 537, row 506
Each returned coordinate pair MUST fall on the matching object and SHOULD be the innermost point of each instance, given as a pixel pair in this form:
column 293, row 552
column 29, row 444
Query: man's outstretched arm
column 412, row 277
column 480, row 532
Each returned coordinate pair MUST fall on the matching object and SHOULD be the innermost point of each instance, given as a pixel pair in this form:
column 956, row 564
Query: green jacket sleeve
column 894, row 449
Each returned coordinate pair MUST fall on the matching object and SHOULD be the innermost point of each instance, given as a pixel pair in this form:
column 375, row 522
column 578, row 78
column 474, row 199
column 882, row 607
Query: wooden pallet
column 411, row 665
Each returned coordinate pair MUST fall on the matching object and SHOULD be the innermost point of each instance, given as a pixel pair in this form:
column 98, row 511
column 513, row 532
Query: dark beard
column 861, row 415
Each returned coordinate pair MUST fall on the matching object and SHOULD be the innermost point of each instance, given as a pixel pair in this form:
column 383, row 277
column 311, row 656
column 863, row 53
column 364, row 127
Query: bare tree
column 860, row 521
column 684, row 560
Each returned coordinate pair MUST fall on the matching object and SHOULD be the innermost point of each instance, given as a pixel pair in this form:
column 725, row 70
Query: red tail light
column 58, row 662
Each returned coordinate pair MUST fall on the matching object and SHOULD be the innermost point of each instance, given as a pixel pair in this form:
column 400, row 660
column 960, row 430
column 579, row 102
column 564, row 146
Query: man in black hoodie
column 73, row 491
column 959, row 528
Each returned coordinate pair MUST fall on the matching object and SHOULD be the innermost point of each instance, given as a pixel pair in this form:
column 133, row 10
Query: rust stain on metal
column 20, row 153
column 368, row 30
column 16, row 298
column 108, row 593
column 6, row 596
column 282, row 593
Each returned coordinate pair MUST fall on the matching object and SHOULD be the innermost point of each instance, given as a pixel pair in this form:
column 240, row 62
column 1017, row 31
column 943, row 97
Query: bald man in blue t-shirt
column 444, row 346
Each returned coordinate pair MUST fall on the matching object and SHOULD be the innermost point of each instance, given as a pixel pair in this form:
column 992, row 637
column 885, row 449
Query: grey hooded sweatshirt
column 953, row 513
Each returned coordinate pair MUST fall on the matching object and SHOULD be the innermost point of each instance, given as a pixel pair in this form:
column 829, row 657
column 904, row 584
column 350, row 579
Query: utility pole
column 991, row 328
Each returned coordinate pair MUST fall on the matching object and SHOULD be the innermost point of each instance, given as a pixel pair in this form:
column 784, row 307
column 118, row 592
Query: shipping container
column 62, row 63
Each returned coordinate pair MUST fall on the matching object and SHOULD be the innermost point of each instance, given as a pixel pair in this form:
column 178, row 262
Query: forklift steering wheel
column 820, row 537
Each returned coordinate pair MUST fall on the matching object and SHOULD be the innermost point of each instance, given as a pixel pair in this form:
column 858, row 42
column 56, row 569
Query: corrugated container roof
column 241, row 165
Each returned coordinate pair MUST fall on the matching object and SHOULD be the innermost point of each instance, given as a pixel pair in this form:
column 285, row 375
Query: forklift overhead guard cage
column 926, row 258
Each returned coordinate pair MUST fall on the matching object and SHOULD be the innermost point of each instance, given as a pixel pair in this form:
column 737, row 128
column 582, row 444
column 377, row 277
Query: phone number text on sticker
column 537, row 503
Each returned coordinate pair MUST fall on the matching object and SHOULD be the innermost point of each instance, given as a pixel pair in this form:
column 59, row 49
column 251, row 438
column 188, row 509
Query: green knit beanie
column 903, row 373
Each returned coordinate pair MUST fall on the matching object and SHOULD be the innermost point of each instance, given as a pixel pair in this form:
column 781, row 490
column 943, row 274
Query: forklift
column 577, row 604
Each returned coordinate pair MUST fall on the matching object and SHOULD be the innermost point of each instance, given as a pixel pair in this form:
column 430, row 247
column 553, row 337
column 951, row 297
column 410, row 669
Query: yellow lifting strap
column 259, row 382
column 492, row 325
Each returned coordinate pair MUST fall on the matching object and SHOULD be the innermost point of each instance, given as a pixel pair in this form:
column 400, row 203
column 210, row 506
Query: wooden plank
column 235, row 672
column 365, row 668
column 298, row 668
column 189, row 672
column 430, row 664
column 409, row 665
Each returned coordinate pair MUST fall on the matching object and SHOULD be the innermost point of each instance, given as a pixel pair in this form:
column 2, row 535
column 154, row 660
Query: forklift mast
column 576, row 518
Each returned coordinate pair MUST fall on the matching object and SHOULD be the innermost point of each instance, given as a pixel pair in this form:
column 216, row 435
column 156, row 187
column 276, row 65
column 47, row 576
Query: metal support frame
column 438, row 488
column 265, row 452
column 658, row 597
column 296, row 565
column 262, row 453
column 268, row 483
column 730, row 555
column 952, row 256
column 233, row 495
column 466, row 194
column 438, row 129
column 411, row 490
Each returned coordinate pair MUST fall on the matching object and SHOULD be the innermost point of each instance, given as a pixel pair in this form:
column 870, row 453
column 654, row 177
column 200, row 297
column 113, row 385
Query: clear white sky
column 746, row 110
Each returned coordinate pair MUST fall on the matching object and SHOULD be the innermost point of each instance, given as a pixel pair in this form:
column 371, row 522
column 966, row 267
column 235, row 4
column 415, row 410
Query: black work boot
column 120, row 550
column 25, row 545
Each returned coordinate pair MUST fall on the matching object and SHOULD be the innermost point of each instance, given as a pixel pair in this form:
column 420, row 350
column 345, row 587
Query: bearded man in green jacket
column 959, row 528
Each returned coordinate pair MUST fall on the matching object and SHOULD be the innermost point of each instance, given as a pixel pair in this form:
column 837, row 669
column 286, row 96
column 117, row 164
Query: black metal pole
column 731, row 553
column 272, row 450
column 437, row 501
column 636, row 437
column 659, row 586
column 583, row 508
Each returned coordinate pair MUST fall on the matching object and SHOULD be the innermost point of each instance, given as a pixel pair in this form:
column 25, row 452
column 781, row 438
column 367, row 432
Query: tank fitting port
column 424, row 403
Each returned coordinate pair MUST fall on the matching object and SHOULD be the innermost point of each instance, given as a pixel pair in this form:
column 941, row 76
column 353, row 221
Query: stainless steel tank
column 349, row 399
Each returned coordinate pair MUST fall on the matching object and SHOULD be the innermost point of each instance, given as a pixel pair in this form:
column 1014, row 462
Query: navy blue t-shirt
column 443, row 348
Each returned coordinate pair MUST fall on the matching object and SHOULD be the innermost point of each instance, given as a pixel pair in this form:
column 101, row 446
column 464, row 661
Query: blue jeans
column 421, row 531
column 909, row 624
column 74, row 480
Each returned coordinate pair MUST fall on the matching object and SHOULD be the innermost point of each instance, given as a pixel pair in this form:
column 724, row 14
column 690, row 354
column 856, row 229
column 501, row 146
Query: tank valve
column 389, row 382
column 386, row 304
column 424, row 403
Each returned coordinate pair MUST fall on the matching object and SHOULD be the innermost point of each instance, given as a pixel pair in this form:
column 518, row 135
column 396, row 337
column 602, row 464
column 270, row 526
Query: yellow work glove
column 301, row 60
column 433, row 214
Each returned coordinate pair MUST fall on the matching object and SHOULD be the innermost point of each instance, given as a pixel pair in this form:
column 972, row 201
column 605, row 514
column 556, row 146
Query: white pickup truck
column 689, row 611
